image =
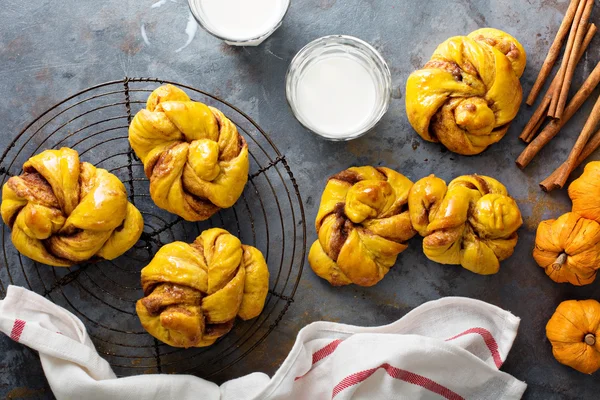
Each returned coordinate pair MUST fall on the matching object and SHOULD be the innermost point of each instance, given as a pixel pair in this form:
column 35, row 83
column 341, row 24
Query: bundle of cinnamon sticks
column 578, row 33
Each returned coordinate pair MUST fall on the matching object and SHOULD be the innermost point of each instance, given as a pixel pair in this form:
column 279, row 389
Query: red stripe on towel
column 17, row 330
column 399, row 374
column 489, row 340
column 325, row 351
column 322, row 353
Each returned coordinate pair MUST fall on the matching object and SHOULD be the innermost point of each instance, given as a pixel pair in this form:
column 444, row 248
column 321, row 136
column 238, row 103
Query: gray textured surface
column 51, row 49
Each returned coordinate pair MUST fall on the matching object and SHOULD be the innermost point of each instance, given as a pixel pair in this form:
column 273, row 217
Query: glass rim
column 238, row 41
column 383, row 71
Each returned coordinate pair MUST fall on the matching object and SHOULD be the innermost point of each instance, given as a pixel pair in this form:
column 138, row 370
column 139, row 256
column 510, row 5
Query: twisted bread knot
column 62, row 212
column 193, row 155
column 468, row 93
column 472, row 222
column 362, row 224
column 194, row 292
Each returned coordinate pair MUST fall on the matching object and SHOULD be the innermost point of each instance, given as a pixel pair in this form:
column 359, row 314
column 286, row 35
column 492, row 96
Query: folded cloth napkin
column 445, row 349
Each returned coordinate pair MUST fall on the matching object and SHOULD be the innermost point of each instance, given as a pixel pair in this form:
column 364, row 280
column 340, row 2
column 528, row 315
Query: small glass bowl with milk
column 339, row 87
column 240, row 22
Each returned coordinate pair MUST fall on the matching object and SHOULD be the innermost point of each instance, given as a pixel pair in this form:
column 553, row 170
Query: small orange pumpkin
column 568, row 248
column 585, row 192
column 574, row 332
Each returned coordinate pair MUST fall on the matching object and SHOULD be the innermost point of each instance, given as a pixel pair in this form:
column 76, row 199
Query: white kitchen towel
column 450, row 348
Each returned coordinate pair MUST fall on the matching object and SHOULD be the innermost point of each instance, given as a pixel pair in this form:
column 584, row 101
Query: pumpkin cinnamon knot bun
column 193, row 292
column 362, row 224
column 63, row 211
column 196, row 160
column 472, row 221
column 568, row 249
column 468, row 93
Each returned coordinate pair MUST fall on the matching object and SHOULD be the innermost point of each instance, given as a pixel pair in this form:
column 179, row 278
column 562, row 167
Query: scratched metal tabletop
column 52, row 49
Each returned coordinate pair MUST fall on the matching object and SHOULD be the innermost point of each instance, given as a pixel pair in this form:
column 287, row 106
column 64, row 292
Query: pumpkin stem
column 590, row 339
column 560, row 261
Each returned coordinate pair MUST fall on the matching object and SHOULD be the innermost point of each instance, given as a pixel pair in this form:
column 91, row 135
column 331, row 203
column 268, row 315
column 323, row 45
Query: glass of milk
column 339, row 87
column 240, row 22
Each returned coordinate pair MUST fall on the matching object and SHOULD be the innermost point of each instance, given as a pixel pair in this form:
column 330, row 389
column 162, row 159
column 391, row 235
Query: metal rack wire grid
column 269, row 215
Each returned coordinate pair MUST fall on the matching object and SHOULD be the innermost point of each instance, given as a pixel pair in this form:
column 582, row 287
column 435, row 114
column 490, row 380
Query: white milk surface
column 336, row 96
column 241, row 19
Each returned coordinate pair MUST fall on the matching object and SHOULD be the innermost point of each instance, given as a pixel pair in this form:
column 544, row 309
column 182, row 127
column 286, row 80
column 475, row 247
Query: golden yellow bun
column 472, row 222
column 469, row 92
column 196, row 160
column 362, row 224
column 63, row 211
column 193, row 292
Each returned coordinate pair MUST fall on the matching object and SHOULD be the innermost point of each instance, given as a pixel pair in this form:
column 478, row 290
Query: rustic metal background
column 50, row 50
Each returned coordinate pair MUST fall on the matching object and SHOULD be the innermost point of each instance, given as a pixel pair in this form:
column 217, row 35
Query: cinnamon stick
column 565, row 61
column 590, row 126
column 540, row 113
column 554, row 52
column 581, row 30
column 538, row 117
column 554, row 127
column 537, row 126
column 549, row 184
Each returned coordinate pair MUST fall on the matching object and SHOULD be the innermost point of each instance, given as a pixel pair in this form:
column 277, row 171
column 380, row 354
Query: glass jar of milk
column 240, row 22
column 339, row 87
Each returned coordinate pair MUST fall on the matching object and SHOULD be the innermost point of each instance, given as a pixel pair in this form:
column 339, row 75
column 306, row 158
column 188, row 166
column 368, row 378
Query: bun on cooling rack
column 63, row 211
column 193, row 292
column 196, row 160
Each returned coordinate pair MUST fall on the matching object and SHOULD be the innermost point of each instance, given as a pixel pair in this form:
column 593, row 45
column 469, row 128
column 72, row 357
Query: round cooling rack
column 269, row 216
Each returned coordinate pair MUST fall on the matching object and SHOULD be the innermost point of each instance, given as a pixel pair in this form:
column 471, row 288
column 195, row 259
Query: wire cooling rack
column 269, row 215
